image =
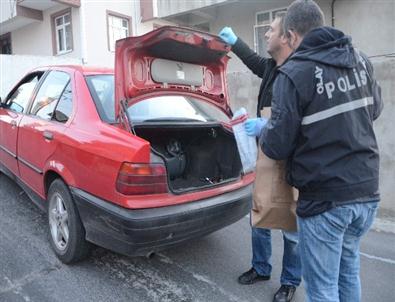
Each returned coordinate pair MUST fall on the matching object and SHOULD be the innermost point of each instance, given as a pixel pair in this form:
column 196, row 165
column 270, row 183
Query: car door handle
column 48, row 135
column 13, row 124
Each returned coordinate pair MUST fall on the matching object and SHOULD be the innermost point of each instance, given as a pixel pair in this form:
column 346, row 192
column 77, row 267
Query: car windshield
column 166, row 108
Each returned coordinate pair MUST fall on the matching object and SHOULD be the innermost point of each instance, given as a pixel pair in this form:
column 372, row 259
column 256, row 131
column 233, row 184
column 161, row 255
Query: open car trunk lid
column 171, row 60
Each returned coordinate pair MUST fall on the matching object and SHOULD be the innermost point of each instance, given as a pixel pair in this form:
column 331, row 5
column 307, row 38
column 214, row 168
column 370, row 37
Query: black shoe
column 251, row 277
column 285, row 293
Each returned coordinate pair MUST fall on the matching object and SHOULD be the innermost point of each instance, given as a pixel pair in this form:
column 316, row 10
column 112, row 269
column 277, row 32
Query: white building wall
column 96, row 42
column 7, row 9
column 147, row 26
column 370, row 23
column 241, row 17
column 142, row 28
column 98, row 53
column 172, row 7
column 14, row 67
column 384, row 68
column 36, row 38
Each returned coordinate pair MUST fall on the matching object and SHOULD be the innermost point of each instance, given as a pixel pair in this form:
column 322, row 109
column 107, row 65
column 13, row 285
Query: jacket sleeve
column 378, row 104
column 278, row 138
column 250, row 58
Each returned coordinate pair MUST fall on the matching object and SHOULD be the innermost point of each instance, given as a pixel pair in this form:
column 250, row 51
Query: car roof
column 84, row 69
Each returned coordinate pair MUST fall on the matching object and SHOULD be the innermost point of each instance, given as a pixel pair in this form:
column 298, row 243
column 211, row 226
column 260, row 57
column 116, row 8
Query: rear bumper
column 139, row 232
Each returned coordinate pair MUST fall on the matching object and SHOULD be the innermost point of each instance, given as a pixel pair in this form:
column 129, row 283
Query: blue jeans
column 262, row 251
column 329, row 251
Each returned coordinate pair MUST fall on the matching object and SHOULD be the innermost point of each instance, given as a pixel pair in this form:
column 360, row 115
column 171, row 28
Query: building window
column 62, row 32
column 5, row 44
column 118, row 27
column 262, row 25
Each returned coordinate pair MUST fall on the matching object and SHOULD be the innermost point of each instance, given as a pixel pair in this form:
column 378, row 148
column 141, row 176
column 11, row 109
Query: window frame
column 256, row 25
column 53, row 119
column 23, row 81
column 96, row 99
column 109, row 14
column 28, row 111
column 55, row 42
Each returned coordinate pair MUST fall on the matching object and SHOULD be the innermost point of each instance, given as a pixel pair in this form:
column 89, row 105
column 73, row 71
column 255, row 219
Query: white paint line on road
column 17, row 289
column 204, row 279
column 139, row 275
column 390, row 261
column 214, row 286
column 16, row 285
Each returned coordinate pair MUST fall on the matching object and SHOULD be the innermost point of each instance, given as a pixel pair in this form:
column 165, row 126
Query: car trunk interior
column 196, row 156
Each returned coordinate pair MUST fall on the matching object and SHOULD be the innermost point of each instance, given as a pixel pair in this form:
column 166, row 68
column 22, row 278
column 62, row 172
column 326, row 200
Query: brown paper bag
column 274, row 200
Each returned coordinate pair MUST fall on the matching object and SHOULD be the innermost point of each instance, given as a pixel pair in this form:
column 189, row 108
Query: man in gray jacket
column 267, row 69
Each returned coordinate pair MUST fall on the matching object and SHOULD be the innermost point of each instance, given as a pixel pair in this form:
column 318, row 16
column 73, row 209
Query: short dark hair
column 303, row 16
column 281, row 16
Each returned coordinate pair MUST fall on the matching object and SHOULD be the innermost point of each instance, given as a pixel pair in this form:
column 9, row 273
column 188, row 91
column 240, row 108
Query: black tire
column 75, row 248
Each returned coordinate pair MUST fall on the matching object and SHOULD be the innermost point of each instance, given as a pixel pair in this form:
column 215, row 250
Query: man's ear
column 285, row 40
column 293, row 39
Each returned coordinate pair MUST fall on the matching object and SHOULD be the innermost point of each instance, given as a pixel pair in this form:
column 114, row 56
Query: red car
column 134, row 161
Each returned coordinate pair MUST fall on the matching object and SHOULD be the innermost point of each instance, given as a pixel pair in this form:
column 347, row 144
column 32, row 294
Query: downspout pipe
column 333, row 12
column 84, row 46
column 136, row 18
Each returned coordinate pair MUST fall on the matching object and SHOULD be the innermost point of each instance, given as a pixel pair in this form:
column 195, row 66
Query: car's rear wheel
column 66, row 232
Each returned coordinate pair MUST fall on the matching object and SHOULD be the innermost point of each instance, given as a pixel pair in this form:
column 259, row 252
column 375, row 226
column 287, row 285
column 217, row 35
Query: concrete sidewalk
column 385, row 221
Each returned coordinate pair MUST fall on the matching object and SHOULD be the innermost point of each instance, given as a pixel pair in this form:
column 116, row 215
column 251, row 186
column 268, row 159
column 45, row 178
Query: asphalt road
column 205, row 269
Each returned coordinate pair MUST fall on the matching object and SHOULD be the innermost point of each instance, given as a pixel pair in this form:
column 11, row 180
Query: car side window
column 101, row 88
column 49, row 94
column 65, row 106
column 20, row 97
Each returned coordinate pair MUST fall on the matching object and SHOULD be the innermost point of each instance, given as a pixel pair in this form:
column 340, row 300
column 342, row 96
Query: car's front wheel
column 66, row 232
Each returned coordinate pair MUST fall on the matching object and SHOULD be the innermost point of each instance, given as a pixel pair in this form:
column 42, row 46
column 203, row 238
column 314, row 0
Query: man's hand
column 228, row 35
column 254, row 126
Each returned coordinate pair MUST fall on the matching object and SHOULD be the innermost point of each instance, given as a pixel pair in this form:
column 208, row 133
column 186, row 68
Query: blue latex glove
column 228, row 35
column 254, row 126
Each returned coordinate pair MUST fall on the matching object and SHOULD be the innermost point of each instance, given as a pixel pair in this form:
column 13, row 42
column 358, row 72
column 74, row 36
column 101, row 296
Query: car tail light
column 139, row 179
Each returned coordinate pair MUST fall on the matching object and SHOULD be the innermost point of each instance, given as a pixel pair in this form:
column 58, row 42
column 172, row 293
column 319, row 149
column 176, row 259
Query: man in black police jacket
column 325, row 100
column 267, row 69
